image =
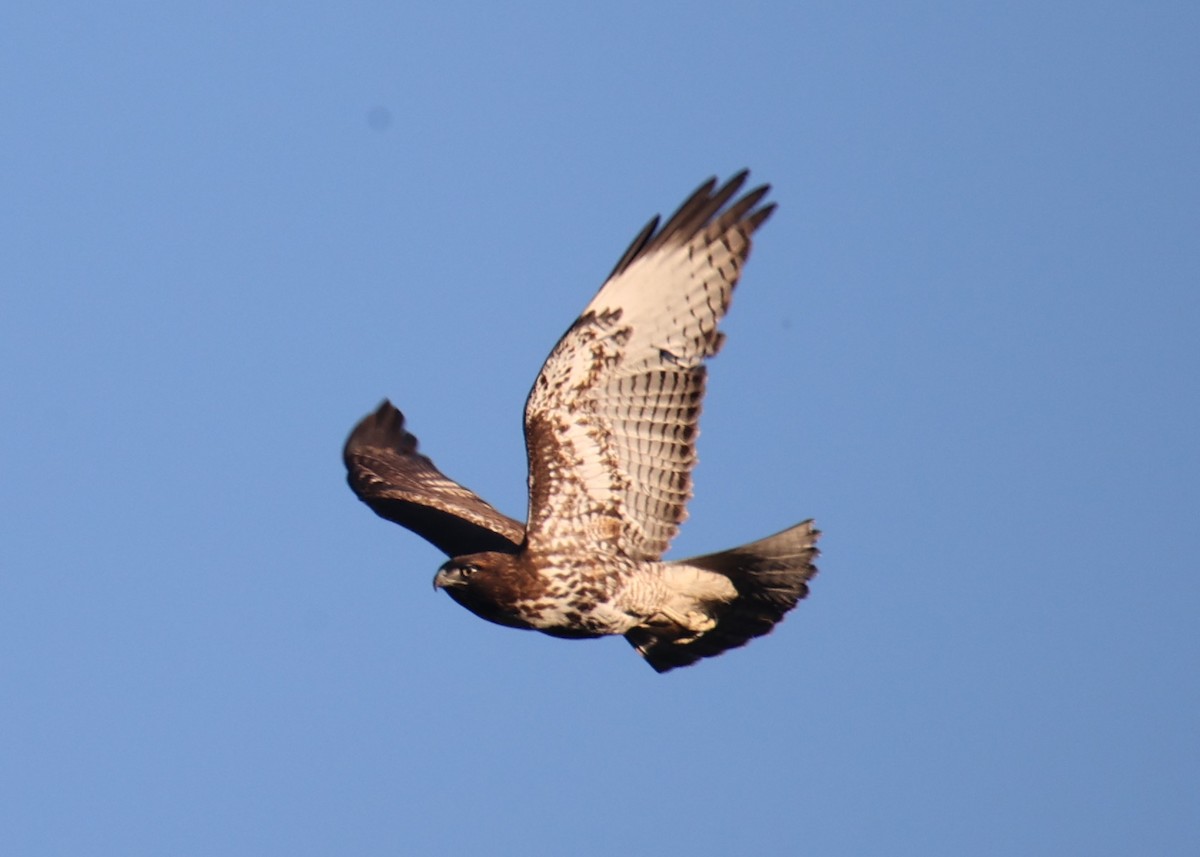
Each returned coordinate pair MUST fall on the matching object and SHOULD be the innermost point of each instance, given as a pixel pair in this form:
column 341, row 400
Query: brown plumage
column 610, row 432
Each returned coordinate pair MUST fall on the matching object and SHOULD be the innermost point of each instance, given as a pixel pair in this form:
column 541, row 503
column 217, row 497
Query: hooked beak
column 447, row 577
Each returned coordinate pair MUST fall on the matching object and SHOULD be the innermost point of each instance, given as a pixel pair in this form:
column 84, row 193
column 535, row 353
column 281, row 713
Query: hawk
column 610, row 434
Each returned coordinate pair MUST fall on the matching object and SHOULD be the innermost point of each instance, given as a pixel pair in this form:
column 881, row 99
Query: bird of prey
column 610, row 434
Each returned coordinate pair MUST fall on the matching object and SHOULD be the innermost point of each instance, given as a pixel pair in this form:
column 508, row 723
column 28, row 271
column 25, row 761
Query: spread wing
column 387, row 473
column 611, row 422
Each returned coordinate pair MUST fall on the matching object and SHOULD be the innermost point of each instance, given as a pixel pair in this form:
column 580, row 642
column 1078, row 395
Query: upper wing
column 610, row 424
column 387, row 473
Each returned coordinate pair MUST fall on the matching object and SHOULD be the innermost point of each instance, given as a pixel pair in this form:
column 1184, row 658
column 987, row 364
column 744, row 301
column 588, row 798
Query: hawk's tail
column 770, row 576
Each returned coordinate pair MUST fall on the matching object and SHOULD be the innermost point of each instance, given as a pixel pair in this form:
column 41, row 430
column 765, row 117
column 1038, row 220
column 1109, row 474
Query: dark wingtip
column 704, row 204
column 760, row 217
column 635, row 247
column 382, row 428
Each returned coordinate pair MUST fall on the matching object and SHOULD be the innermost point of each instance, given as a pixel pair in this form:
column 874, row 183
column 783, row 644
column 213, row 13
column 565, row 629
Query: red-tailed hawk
column 610, row 432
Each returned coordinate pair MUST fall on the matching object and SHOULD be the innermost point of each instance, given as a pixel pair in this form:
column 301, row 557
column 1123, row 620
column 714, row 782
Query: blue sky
column 966, row 344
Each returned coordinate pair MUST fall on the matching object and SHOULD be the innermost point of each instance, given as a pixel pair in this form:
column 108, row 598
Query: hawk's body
column 610, row 429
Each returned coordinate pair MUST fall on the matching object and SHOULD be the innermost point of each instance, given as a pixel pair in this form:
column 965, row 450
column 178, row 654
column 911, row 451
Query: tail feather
column 770, row 575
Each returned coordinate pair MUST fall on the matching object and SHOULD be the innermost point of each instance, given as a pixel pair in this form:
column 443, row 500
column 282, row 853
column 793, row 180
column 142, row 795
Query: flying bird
column 610, row 434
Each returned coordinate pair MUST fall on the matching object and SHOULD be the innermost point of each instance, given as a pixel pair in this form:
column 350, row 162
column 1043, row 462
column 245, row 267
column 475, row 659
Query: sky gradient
column 966, row 344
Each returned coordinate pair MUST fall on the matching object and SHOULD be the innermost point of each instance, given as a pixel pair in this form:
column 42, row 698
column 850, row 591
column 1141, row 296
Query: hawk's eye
column 467, row 570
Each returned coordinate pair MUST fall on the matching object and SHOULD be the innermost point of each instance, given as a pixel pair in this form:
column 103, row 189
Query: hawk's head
column 488, row 584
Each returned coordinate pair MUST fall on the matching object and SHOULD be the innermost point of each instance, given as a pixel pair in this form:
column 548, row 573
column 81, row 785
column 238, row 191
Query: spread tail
column 770, row 576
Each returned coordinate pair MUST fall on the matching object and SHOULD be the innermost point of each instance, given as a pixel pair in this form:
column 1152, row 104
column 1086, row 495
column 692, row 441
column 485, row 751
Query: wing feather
column 611, row 421
column 387, row 473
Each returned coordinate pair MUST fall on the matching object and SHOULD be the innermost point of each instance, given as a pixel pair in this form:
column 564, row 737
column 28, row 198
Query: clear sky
column 967, row 343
